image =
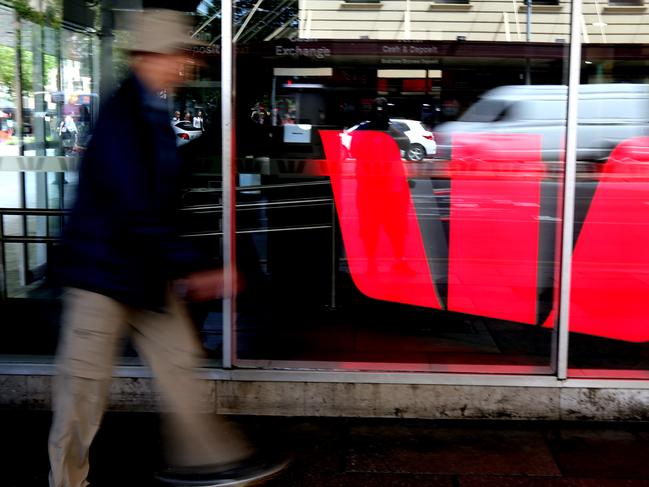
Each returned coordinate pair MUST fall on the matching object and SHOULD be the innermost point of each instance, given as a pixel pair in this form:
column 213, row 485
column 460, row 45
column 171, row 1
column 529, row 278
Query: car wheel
column 416, row 152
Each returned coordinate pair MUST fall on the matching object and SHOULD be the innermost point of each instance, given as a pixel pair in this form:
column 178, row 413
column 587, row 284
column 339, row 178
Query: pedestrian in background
column 124, row 264
column 197, row 123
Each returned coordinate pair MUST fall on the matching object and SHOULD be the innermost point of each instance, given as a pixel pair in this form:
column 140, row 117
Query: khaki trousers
column 93, row 328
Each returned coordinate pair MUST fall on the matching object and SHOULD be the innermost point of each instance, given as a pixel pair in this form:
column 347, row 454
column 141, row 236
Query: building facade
column 616, row 22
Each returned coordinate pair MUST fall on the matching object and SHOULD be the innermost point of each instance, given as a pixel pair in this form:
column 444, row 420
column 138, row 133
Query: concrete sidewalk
column 339, row 452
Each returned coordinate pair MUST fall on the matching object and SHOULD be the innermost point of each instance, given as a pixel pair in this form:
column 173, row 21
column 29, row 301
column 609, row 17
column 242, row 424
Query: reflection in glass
column 405, row 245
column 65, row 67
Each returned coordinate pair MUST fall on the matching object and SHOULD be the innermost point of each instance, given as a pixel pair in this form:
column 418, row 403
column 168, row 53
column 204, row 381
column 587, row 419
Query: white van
column 607, row 114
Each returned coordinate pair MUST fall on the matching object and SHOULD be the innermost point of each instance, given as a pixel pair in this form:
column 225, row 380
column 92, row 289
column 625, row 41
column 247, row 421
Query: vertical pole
column 508, row 35
column 59, row 177
column 3, row 261
column 528, row 32
column 407, row 33
column 334, row 255
column 18, row 84
column 228, row 183
column 273, row 102
column 518, row 25
column 106, row 39
column 569, row 190
column 19, row 128
column 39, row 134
column 38, row 87
column 25, row 279
column 60, row 99
column 528, row 38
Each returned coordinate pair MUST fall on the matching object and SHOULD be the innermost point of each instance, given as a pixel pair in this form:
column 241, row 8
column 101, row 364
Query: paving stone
column 343, row 452
column 451, row 451
column 127, row 446
column 521, row 481
column 364, row 480
column 23, row 450
column 594, row 431
column 613, row 483
column 390, row 480
column 597, row 453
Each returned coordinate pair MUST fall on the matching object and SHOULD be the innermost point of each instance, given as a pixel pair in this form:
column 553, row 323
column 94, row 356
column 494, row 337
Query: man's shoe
column 251, row 471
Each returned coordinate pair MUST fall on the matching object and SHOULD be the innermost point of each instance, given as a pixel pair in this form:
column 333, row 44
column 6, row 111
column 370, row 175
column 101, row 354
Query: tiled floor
column 338, row 452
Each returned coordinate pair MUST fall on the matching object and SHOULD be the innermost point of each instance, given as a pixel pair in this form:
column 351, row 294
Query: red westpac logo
column 494, row 254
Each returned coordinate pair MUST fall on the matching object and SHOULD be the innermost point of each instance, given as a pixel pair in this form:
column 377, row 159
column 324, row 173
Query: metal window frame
column 228, row 166
column 353, row 377
column 559, row 356
column 570, row 178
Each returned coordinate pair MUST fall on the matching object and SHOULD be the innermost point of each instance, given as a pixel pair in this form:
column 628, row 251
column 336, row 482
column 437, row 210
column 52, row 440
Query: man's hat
column 161, row 31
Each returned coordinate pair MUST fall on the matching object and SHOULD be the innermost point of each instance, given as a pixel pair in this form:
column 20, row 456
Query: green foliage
column 27, row 70
column 51, row 14
column 7, row 69
column 49, row 63
column 7, row 64
column 26, row 12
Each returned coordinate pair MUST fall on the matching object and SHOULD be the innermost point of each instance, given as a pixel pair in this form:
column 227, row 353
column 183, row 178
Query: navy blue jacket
column 122, row 239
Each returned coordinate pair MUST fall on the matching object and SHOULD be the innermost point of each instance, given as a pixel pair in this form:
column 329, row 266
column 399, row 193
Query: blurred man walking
column 122, row 263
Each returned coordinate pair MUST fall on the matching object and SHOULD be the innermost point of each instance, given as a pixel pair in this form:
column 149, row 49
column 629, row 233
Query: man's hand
column 206, row 285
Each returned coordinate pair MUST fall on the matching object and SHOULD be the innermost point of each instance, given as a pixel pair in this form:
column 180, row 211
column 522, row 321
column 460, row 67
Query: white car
column 185, row 132
column 422, row 141
column 607, row 114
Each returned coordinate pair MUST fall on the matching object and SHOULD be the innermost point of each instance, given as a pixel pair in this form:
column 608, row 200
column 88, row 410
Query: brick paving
column 343, row 452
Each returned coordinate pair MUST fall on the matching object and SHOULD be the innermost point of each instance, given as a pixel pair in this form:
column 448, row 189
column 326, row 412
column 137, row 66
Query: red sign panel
column 495, row 232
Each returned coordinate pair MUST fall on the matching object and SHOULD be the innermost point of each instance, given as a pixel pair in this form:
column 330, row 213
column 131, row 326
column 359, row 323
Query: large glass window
column 40, row 133
column 399, row 171
column 610, row 267
column 399, row 175
column 57, row 67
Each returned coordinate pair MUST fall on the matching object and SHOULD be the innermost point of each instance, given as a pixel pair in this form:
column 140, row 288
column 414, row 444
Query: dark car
column 402, row 140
